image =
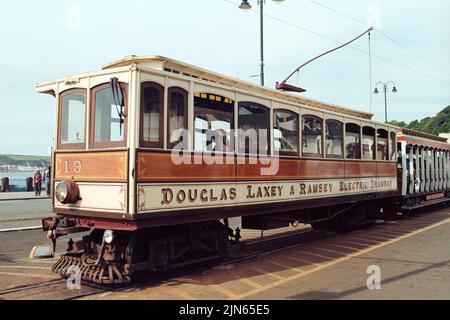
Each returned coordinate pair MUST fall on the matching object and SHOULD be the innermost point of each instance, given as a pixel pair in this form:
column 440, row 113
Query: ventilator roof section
column 167, row 64
column 419, row 134
column 426, row 140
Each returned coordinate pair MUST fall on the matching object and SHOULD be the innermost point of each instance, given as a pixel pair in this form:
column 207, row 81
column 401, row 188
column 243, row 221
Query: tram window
column 334, row 138
column 382, row 145
column 152, row 97
column 254, row 124
column 177, row 115
column 214, row 122
column 368, row 143
column 312, row 137
column 393, row 144
column 72, row 119
column 285, row 132
column 108, row 130
column 352, row 141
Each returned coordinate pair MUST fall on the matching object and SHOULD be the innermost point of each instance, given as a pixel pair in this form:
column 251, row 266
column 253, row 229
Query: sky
column 43, row 40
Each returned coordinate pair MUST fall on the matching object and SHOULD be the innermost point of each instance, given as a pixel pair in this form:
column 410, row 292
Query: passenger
column 47, row 179
column 37, row 180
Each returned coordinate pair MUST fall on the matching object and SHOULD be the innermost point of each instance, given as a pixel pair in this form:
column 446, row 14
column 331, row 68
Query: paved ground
column 413, row 256
column 21, row 214
column 5, row 196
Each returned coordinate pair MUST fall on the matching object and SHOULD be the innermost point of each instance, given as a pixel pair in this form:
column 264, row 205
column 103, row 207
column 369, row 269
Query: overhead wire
column 318, row 34
column 387, row 36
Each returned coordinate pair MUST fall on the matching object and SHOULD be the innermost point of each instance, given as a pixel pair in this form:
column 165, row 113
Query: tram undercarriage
column 115, row 257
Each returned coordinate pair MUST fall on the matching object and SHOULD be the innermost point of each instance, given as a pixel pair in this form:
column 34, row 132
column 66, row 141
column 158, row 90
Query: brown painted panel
column 317, row 169
column 251, row 168
column 361, row 169
column 160, row 166
column 288, row 169
column 92, row 166
column 386, row 169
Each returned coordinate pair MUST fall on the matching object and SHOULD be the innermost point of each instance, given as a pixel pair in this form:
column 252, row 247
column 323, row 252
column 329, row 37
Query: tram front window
column 108, row 129
column 73, row 113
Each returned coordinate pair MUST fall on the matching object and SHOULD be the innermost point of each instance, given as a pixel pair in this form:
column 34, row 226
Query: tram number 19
column 77, row 166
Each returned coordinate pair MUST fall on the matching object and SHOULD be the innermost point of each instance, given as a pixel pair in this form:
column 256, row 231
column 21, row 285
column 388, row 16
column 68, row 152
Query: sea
column 17, row 180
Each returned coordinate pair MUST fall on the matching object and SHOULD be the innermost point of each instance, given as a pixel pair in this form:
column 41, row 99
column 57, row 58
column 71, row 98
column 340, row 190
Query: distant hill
column 433, row 125
column 24, row 160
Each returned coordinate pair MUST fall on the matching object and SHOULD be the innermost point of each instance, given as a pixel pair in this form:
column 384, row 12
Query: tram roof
column 419, row 134
column 167, row 64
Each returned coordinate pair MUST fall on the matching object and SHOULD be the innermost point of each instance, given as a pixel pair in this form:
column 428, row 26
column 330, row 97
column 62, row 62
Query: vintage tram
column 152, row 157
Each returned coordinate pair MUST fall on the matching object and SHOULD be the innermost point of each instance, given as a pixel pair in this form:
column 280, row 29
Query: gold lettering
column 273, row 192
column 223, row 196
column 232, row 193
column 267, row 192
column 259, row 194
column 204, row 195
column 167, row 196
column 302, row 188
column 192, row 195
column 181, row 196
column 211, row 195
column 250, row 194
column 280, row 190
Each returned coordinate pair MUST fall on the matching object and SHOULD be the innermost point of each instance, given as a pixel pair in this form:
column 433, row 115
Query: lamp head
column 394, row 90
column 376, row 91
column 245, row 5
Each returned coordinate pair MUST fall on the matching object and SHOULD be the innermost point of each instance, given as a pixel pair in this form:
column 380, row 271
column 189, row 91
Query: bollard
column 5, row 185
column 29, row 184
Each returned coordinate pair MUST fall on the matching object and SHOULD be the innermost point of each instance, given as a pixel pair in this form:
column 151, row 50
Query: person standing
column 46, row 179
column 37, row 181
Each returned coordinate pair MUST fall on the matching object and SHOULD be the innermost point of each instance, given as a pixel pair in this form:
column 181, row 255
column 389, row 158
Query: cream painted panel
column 154, row 78
column 178, row 83
column 249, row 98
column 277, row 105
column 169, row 197
column 333, row 117
column 101, row 79
column 73, row 84
column 310, row 112
column 100, row 197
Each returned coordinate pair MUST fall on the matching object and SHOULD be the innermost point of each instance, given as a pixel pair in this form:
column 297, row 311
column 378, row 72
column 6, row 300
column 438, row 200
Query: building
column 445, row 135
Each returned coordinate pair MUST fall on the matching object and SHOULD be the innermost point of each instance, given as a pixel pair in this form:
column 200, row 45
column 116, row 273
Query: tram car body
column 424, row 172
column 152, row 156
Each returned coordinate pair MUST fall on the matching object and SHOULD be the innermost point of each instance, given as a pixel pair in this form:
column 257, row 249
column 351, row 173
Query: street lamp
column 385, row 90
column 245, row 5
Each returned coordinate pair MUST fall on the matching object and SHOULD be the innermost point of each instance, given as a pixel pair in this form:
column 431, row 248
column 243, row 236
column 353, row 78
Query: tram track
column 250, row 250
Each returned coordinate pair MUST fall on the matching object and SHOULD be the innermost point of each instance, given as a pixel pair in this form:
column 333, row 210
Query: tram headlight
column 108, row 236
column 67, row 192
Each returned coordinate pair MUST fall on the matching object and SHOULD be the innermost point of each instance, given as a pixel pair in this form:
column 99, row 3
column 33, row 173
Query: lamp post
column 385, row 90
column 245, row 5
